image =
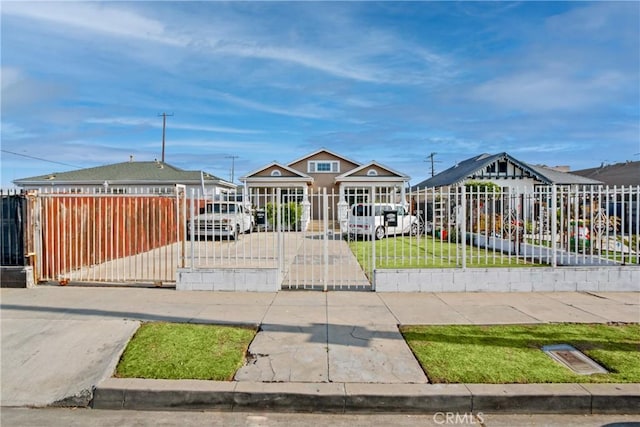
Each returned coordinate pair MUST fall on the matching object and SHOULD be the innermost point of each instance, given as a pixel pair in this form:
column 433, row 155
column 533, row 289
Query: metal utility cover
column 573, row 359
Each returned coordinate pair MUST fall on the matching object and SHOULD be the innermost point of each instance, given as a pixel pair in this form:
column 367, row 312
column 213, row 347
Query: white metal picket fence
column 322, row 239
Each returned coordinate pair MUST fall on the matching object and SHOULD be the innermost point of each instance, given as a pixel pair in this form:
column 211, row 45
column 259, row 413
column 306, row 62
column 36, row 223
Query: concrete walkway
column 316, row 351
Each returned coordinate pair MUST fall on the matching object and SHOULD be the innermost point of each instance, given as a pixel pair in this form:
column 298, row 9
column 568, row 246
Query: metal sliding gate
column 131, row 237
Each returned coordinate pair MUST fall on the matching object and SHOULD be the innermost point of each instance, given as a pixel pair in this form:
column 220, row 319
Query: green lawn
column 512, row 354
column 185, row 351
column 427, row 252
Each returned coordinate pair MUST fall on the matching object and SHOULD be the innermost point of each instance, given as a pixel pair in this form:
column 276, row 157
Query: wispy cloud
column 93, row 17
column 136, row 121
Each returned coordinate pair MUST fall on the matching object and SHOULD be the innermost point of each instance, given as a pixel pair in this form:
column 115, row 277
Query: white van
column 367, row 219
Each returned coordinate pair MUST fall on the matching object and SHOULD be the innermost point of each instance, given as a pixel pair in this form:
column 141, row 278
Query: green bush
column 291, row 214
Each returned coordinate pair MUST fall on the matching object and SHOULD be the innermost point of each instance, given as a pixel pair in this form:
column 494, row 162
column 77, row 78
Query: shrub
column 291, row 214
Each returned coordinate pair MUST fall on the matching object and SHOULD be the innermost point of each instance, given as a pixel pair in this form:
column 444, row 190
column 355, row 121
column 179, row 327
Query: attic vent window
column 276, row 172
column 323, row 166
column 372, row 172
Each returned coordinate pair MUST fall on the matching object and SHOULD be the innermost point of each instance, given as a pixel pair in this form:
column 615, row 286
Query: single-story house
column 121, row 178
column 511, row 175
column 346, row 181
column 505, row 171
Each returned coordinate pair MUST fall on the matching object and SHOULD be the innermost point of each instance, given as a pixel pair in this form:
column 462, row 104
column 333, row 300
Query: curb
column 143, row 394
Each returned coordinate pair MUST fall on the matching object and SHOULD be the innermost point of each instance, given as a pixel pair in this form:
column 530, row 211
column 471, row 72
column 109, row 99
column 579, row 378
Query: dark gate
column 13, row 216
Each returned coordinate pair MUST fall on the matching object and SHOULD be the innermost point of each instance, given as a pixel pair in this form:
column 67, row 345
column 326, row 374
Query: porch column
column 403, row 193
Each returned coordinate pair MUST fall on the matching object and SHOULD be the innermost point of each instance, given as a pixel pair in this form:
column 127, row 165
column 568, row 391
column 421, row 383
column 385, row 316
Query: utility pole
column 431, row 156
column 164, row 126
column 233, row 161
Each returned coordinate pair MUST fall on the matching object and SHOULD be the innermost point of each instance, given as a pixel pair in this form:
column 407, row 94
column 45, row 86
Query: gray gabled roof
column 627, row 173
column 457, row 174
column 563, row 178
column 125, row 173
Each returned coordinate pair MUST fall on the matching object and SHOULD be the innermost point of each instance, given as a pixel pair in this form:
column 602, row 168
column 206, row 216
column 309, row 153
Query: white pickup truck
column 221, row 219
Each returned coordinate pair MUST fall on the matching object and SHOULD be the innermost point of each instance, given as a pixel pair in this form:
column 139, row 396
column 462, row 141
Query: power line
column 40, row 158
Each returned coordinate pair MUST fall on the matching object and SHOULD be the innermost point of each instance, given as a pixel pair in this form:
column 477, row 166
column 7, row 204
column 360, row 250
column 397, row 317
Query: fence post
column 373, row 238
column 325, row 246
column 463, row 226
column 192, row 227
column 554, row 224
column 279, row 207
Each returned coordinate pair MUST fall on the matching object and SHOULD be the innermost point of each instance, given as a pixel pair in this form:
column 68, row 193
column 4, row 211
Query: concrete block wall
column 228, row 279
column 540, row 279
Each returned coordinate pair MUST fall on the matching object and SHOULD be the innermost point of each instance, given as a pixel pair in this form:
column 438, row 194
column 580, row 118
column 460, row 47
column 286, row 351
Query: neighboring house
column 510, row 174
column 121, row 178
column 505, row 171
column 627, row 173
column 346, row 180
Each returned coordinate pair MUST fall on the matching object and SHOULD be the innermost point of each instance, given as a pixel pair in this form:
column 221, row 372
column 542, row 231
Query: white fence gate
column 301, row 238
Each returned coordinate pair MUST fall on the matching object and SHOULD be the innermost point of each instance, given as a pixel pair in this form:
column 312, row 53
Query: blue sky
column 555, row 83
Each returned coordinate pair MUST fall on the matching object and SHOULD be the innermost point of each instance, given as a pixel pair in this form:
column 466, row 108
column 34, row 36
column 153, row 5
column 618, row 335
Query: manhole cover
column 573, row 359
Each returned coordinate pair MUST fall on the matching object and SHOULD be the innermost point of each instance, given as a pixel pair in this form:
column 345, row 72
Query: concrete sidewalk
column 336, row 351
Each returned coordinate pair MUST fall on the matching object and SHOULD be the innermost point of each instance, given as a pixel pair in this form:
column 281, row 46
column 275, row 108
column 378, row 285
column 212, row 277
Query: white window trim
column 312, row 166
column 372, row 172
column 276, row 172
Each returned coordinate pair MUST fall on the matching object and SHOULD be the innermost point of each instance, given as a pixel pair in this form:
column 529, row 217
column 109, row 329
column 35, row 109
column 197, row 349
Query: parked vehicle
column 382, row 220
column 221, row 219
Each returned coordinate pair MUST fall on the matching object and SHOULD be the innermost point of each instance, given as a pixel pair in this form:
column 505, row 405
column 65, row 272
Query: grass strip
column 426, row 252
column 513, row 354
column 185, row 351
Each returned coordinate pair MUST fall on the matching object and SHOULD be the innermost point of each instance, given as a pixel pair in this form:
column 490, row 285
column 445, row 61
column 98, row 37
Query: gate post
column 325, row 245
column 279, row 227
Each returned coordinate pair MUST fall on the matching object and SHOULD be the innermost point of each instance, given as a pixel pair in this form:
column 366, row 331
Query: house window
column 491, row 168
column 372, row 172
column 502, row 167
column 276, row 172
column 323, row 166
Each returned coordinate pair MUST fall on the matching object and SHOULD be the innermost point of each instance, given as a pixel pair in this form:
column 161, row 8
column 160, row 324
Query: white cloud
column 93, row 17
column 11, row 131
